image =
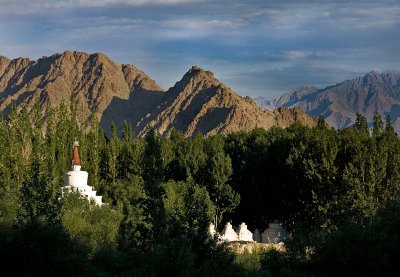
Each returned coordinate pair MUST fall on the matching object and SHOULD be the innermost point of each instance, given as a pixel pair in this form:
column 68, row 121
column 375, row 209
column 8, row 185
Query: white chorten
column 228, row 234
column 76, row 180
column 275, row 233
column 244, row 234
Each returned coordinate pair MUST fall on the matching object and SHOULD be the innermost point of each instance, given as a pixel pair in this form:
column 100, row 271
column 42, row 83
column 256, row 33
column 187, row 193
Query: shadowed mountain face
column 374, row 92
column 94, row 81
column 201, row 103
column 113, row 92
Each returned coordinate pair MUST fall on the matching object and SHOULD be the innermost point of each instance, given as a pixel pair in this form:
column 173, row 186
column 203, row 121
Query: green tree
column 188, row 157
column 361, row 124
column 96, row 226
column 188, row 209
column 389, row 130
column 131, row 154
column 378, row 125
column 96, row 142
column 112, row 154
column 153, row 174
column 129, row 196
column 218, row 170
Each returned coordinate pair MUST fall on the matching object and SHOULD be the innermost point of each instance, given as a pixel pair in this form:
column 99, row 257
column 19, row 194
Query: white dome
column 244, row 234
column 76, row 178
column 228, row 233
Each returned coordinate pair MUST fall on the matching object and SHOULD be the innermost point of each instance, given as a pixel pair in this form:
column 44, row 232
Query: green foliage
column 389, row 130
column 96, row 226
column 334, row 190
column 96, row 140
column 112, row 155
column 250, row 261
column 153, row 173
column 129, row 196
column 217, row 172
column 39, row 249
column 188, row 209
column 39, row 202
column 361, row 125
column 378, row 126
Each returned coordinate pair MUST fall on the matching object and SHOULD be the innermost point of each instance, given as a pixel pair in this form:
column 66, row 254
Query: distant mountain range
column 374, row 92
column 114, row 92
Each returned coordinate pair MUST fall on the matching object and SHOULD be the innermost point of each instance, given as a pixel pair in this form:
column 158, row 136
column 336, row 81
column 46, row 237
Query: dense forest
column 335, row 191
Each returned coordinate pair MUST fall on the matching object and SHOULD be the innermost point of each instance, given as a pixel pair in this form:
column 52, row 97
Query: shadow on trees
column 39, row 249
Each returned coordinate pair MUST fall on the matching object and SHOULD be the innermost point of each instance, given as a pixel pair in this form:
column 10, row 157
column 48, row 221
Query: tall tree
column 389, row 130
column 130, row 155
column 96, row 142
column 153, row 174
column 112, row 154
column 189, row 210
column 361, row 124
column 378, row 125
column 218, row 170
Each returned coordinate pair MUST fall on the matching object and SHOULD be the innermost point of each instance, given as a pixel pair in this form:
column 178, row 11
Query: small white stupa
column 244, row 234
column 275, row 233
column 76, row 180
column 228, row 234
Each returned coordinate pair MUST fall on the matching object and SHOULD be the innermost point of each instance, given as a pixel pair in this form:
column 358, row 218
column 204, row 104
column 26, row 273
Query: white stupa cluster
column 76, row 180
column 275, row 233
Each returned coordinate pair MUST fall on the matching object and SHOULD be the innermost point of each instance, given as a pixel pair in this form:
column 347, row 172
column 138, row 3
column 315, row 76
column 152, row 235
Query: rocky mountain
column 114, row 92
column 263, row 103
column 94, row 81
column 288, row 98
column 374, row 92
column 201, row 103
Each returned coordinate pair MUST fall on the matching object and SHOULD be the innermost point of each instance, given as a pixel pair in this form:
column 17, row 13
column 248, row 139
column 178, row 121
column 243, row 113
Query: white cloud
column 279, row 44
column 297, row 54
column 197, row 27
column 181, row 28
column 97, row 3
column 33, row 6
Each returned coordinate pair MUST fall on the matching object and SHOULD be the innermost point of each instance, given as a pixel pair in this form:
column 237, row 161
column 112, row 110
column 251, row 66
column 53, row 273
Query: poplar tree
column 217, row 172
column 95, row 144
column 361, row 124
column 378, row 125
column 153, row 174
column 112, row 154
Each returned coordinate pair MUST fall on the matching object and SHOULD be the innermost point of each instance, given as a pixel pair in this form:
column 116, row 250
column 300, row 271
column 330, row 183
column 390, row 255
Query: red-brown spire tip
column 75, row 156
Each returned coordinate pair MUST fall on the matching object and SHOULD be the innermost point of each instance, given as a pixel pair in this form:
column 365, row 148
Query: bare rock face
column 201, row 103
column 374, row 92
column 286, row 99
column 94, row 81
column 113, row 92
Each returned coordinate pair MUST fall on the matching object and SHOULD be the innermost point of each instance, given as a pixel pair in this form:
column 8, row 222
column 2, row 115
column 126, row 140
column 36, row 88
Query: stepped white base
column 86, row 191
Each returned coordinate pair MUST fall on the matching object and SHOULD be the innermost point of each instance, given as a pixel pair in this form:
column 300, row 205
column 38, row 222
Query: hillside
column 114, row 92
column 374, row 92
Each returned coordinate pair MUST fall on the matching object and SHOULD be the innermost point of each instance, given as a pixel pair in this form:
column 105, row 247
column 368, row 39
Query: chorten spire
column 76, row 180
column 75, row 156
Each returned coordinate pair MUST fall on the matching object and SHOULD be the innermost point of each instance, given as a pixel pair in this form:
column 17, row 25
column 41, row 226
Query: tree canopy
column 162, row 193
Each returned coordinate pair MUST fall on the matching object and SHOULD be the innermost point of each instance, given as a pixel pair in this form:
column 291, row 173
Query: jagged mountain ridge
column 93, row 80
column 287, row 99
column 197, row 103
column 373, row 92
column 201, row 103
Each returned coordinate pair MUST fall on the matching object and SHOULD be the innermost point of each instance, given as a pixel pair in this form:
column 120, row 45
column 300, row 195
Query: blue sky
column 256, row 47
